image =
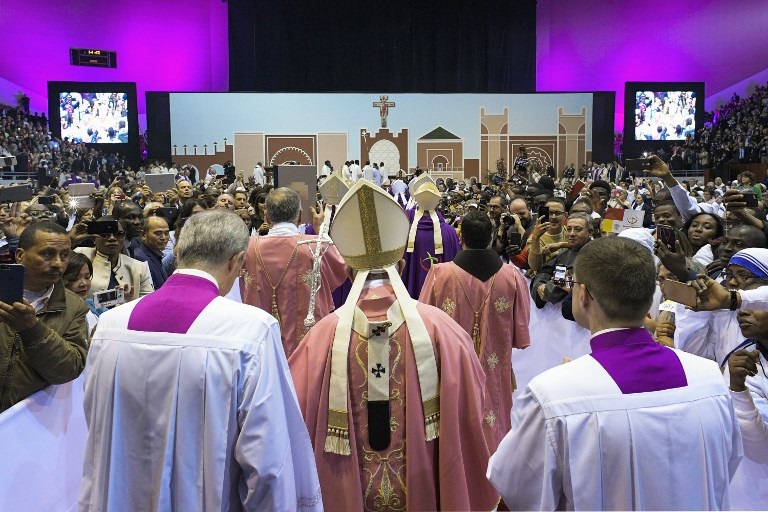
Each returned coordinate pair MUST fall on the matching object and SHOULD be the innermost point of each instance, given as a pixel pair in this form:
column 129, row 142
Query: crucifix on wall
column 383, row 105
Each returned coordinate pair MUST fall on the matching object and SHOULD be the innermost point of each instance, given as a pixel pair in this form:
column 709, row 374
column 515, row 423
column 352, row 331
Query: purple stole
column 174, row 307
column 636, row 362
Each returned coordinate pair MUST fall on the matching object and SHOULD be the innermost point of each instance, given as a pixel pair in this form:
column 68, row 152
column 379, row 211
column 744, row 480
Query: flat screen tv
column 661, row 114
column 95, row 113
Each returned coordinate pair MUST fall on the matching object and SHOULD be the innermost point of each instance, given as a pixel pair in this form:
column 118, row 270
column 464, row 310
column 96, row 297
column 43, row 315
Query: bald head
column 283, row 205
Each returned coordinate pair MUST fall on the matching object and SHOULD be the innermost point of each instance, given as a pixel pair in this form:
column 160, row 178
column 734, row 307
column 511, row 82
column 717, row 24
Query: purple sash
column 636, row 362
column 175, row 306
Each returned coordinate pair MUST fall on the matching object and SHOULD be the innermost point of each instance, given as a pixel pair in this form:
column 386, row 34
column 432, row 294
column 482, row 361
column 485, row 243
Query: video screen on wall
column 665, row 115
column 95, row 117
column 661, row 115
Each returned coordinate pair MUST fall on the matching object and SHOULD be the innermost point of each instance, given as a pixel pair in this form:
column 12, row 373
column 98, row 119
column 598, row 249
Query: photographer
column 543, row 288
column 44, row 338
column 549, row 237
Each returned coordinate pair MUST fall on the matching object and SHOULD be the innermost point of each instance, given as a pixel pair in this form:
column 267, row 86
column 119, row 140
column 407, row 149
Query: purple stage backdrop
column 162, row 45
column 597, row 45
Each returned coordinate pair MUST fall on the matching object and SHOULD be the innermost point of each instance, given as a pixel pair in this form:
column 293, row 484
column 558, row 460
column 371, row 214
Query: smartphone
column 667, row 236
column 560, row 272
column 108, row 298
column 679, row 292
column 638, row 164
column 16, row 194
column 515, row 238
column 45, row 200
column 11, row 283
column 104, row 227
column 544, row 213
column 750, row 199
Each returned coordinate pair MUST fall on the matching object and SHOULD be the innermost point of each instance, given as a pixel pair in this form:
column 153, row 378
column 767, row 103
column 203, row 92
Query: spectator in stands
column 44, row 338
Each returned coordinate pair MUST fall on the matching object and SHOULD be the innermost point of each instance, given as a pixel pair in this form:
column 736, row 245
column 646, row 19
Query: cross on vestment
column 378, row 370
column 383, row 105
column 321, row 245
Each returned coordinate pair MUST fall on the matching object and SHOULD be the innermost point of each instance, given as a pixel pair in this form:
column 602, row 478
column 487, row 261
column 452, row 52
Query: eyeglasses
column 570, row 281
column 119, row 234
column 740, row 277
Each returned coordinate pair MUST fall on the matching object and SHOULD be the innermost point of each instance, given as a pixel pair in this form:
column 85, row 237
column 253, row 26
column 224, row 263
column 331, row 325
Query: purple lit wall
column 597, row 45
column 162, row 45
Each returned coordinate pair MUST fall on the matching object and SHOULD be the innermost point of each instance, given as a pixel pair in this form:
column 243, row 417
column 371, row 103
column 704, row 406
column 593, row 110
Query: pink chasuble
column 410, row 473
column 503, row 324
column 289, row 266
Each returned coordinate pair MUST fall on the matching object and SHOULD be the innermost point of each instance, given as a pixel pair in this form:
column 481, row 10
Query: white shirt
column 259, row 176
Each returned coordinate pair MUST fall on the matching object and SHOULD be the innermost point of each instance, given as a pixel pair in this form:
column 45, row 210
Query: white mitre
column 370, row 232
column 333, row 189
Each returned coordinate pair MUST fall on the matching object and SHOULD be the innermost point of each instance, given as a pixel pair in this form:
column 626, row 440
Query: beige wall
column 248, row 150
column 333, row 147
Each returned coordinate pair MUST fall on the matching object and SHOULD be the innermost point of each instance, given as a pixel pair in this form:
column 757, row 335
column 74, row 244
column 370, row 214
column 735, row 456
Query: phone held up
column 544, row 213
column 667, row 236
column 11, row 283
column 560, row 274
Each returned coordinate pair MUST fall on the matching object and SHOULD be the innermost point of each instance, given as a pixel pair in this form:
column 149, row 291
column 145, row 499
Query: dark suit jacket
column 155, row 261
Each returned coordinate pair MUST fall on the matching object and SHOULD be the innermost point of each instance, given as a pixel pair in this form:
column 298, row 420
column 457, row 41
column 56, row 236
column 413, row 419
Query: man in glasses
column 113, row 269
column 617, row 429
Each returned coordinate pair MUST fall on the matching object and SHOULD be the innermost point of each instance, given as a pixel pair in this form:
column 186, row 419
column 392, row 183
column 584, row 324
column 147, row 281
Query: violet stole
column 636, row 362
column 174, row 307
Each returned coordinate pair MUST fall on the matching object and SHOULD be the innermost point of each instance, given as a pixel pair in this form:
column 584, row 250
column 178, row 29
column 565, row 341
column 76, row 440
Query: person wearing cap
column 391, row 389
column 490, row 301
column 277, row 267
column 617, row 429
column 430, row 240
column 188, row 398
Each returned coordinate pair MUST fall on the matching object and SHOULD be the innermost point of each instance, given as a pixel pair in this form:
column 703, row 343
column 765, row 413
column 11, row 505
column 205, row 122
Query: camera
column 108, row 298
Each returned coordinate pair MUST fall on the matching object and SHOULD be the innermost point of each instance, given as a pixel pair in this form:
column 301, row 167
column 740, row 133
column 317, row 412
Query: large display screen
column 661, row 115
column 665, row 115
column 94, row 117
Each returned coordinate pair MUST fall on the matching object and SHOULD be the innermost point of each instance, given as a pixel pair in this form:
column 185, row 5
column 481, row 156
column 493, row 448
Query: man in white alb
column 188, row 397
column 633, row 425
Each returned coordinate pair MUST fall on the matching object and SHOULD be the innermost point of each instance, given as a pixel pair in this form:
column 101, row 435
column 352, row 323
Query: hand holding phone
column 11, row 283
column 667, row 236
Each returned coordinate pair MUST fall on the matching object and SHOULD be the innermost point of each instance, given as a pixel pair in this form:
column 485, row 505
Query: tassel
column 476, row 333
column 275, row 311
column 337, row 441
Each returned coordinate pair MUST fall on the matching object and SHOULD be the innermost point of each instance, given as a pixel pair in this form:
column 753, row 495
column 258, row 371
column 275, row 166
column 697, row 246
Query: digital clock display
column 88, row 57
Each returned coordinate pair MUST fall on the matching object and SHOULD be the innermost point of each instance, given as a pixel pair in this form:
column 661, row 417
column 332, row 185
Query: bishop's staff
column 322, row 242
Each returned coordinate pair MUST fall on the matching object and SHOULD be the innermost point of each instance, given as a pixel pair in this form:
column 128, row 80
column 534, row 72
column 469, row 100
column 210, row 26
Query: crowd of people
column 363, row 358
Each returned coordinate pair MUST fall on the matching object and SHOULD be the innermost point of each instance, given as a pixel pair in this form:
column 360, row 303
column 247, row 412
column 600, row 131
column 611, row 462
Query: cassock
column 490, row 301
column 190, row 406
column 284, row 291
column 410, row 473
column 631, row 426
column 424, row 254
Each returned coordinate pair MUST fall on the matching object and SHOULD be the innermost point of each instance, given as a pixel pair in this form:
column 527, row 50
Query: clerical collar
column 198, row 273
column 480, row 263
column 610, row 329
column 284, row 229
